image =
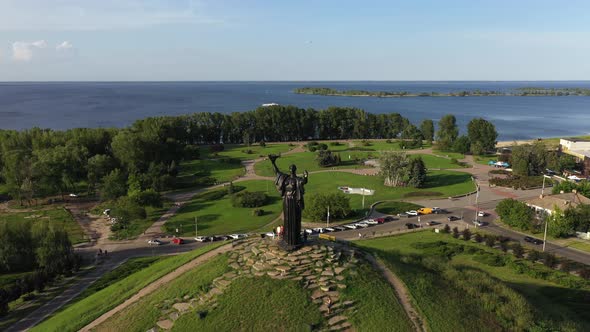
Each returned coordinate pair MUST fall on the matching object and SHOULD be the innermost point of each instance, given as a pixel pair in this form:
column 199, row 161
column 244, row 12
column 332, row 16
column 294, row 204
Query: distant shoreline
column 518, row 92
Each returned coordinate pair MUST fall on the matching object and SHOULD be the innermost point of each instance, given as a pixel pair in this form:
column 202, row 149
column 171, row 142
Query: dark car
column 412, row 226
column 432, row 223
column 452, row 218
column 403, row 215
column 532, row 240
column 389, row 218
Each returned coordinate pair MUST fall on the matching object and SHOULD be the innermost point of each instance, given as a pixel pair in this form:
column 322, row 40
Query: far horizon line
column 277, row 81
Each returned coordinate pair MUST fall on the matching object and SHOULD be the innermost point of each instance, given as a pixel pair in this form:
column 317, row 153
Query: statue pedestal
column 289, row 247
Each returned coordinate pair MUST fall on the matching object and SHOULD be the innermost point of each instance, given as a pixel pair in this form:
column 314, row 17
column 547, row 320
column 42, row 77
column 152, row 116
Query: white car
column 350, row 226
column 371, row 222
column 482, row 214
column 361, row 224
column 308, row 231
column 329, row 229
column 201, row 238
column 154, row 242
column 238, row 236
column 318, row 230
column 270, row 234
column 477, row 223
column 412, row 213
column 73, row 195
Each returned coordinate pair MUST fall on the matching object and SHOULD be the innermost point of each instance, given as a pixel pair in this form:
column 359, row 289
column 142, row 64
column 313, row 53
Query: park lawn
column 143, row 315
column 58, row 217
column 553, row 302
column 76, row 315
column 395, row 207
column 240, row 151
column 376, row 305
column 434, row 162
column 216, row 215
column 446, row 154
column 581, row 245
column 257, row 304
column 484, row 159
column 439, row 184
column 219, row 169
column 307, row 161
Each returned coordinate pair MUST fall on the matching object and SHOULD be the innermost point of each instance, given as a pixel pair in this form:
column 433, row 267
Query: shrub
column 335, row 143
column 258, row 212
column 326, row 158
column 585, row 273
column 205, row 181
column 216, row 148
column 249, row 199
column 478, row 238
column 389, row 141
column 534, row 256
column 549, row 260
column 489, row 259
column 490, row 240
column 148, row 197
column 455, row 232
column 312, row 149
column 517, row 250
column 567, row 266
column 366, row 143
column 447, row 229
column 263, row 144
column 519, row 182
column 503, row 246
column 248, row 151
column 466, row 234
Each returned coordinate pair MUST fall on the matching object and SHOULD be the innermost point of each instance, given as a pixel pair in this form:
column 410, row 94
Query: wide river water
column 110, row 104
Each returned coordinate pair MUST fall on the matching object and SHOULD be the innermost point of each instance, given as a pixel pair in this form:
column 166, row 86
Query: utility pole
column 328, row 219
column 545, row 236
column 363, row 190
column 195, row 226
column 543, row 188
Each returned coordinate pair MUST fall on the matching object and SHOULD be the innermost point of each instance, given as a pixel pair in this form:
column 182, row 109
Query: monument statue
column 291, row 188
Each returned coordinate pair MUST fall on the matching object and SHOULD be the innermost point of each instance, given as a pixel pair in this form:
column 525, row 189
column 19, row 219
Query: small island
column 519, row 92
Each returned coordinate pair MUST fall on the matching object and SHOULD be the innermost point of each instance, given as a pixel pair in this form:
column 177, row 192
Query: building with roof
column 548, row 203
column 580, row 149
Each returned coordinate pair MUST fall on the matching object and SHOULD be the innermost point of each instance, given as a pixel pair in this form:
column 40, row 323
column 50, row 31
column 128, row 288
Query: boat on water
column 270, row 104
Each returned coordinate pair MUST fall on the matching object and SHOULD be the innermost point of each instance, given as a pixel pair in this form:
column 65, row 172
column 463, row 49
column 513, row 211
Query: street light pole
column 195, row 226
column 545, row 236
column 328, row 219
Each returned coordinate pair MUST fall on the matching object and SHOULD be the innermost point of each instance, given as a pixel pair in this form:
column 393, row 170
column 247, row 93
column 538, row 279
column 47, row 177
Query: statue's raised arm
column 273, row 158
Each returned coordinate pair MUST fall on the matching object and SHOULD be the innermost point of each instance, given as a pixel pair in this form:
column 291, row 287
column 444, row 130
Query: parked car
column 155, row 242
column 177, row 240
column 403, row 215
column 201, row 238
column 238, row 236
column 412, row 213
column 73, row 195
column 411, row 226
column 373, row 221
column 308, row 231
column 362, row 224
column 452, row 218
column 380, row 220
column 388, row 218
column 329, row 229
column 437, row 210
column 269, row 234
column 478, row 223
column 532, row 240
column 350, row 226
column 432, row 223
column 339, row 228
column 318, row 230
column 425, row 211
column 220, row 237
column 482, row 214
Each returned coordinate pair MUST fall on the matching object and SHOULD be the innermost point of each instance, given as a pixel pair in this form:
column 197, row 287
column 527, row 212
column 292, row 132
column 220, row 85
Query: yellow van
column 425, row 211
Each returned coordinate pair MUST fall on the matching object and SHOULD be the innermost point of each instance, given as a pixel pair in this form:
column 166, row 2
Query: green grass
column 121, row 272
column 439, row 184
column 78, row 314
column 58, row 216
column 216, row 215
column 221, row 171
column 581, row 245
column 483, row 160
column 144, row 314
column 421, row 262
column 455, row 155
column 376, row 306
column 239, row 151
column 395, row 207
column 432, row 162
column 257, row 304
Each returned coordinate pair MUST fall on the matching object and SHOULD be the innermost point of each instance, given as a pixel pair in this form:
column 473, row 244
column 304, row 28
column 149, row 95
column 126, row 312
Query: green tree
column 54, row 252
column 517, row 250
column 462, row 145
column 416, row 172
column 515, row 213
column 466, row 234
column 394, row 168
column 447, row 132
column 482, row 135
column 316, row 206
column 113, row 185
column 561, row 223
column 427, row 129
column 98, row 166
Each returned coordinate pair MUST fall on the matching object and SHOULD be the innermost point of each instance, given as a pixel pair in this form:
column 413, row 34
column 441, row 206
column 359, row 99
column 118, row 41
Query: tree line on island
column 519, row 92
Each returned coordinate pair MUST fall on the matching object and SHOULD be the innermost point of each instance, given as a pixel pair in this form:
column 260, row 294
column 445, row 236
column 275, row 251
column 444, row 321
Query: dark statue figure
column 291, row 188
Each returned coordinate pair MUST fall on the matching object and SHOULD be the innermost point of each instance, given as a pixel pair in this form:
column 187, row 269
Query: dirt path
column 158, row 283
column 401, row 292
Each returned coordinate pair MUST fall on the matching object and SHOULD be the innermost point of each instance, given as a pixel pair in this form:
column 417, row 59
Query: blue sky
column 293, row 40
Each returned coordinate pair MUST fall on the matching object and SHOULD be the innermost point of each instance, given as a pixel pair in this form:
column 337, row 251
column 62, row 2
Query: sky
column 178, row 40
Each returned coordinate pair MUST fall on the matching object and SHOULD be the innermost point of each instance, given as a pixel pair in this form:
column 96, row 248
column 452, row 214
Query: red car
column 380, row 220
column 177, row 240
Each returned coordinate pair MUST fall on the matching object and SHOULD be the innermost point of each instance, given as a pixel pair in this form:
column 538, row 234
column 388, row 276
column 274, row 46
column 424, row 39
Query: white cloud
column 65, row 45
column 23, row 51
column 28, row 15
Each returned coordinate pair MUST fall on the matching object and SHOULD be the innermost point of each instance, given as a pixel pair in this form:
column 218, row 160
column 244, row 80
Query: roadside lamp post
column 545, row 235
column 543, row 188
column 195, row 226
